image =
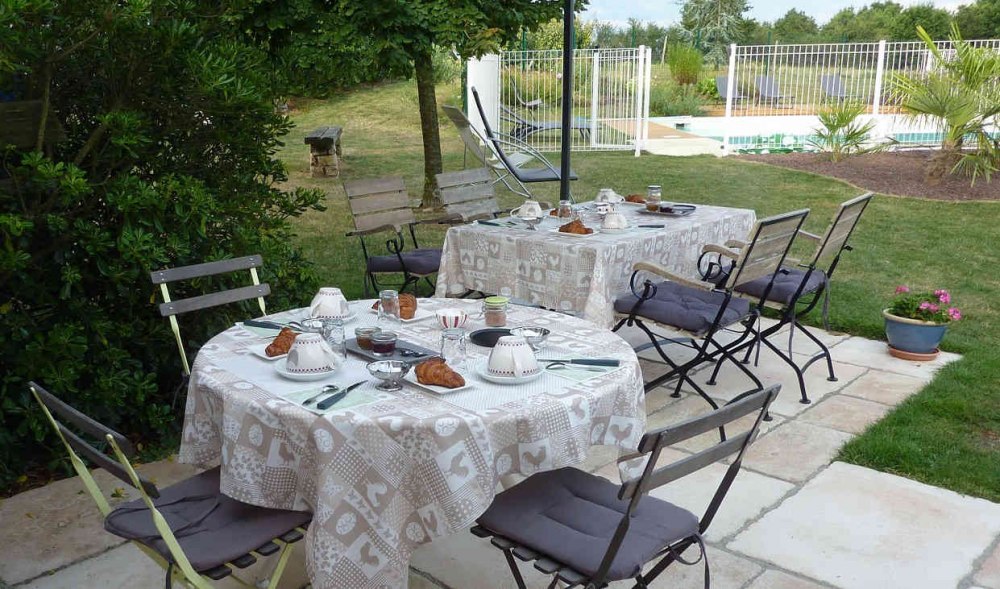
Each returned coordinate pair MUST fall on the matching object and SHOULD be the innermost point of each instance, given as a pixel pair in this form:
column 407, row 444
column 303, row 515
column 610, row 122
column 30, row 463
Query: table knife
column 651, row 226
column 263, row 323
column 585, row 361
column 336, row 397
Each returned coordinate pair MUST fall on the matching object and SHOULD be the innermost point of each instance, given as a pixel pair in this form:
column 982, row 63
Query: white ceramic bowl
column 451, row 318
column 512, row 357
column 310, row 354
column 329, row 303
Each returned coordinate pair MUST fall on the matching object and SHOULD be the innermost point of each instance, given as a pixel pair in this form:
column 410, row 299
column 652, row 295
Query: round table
column 384, row 472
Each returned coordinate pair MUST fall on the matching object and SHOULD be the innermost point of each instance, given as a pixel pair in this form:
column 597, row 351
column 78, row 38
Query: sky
column 668, row 11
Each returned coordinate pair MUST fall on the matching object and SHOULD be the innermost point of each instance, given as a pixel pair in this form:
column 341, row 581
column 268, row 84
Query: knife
column 652, row 226
column 336, row 397
column 262, row 323
column 585, row 361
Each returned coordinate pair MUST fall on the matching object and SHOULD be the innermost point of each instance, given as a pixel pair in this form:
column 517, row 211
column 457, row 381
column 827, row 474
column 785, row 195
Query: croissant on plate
column 636, row 198
column 407, row 306
column 436, row 372
column 577, row 227
column 282, row 343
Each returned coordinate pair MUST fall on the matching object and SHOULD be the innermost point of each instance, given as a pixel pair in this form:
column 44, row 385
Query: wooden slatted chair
column 170, row 308
column 197, row 534
column 701, row 310
column 796, row 289
column 382, row 206
column 588, row 532
column 467, row 195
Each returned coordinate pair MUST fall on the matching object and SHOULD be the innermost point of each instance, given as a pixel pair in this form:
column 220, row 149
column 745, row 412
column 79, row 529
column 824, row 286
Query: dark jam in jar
column 383, row 343
column 364, row 336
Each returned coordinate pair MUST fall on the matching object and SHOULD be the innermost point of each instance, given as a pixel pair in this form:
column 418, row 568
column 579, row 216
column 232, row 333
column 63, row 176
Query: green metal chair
column 193, row 531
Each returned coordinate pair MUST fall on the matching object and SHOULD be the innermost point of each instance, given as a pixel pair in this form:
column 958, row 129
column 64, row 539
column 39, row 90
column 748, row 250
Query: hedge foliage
column 169, row 158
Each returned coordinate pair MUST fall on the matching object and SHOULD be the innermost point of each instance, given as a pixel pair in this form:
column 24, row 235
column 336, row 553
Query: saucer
column 485, row 374
column 280, row 368
column 345, row 319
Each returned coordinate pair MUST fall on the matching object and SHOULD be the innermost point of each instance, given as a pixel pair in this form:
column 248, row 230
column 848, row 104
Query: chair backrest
column 722, row 85
column 170, row 308
column 832, row 85
column 770, row 240
column 58, row 412
column 491, row 137
column 653, row 475
column 767, row 86
column 835, row 240
column 119, row 466
column 379, row 202
column 468, row 194
column 470, row 137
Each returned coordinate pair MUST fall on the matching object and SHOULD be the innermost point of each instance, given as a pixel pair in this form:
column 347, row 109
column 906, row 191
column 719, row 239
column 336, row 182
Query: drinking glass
column 333, row 333
column 565, row 209
column 453, row 346
column 388, row 310
column 312, row 325
column 653, row 195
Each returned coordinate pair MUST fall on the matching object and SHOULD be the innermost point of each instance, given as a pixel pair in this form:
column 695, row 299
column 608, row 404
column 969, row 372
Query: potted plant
column 916, row 321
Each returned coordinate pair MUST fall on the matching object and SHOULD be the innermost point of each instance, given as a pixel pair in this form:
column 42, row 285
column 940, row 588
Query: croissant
column 282, row 343
column 407, row 306
column 436, row 372
column 576, row 226
column 636, row 198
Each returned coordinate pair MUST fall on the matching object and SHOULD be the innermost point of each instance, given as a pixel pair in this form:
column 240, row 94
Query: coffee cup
column 512, row 357
column 609, row 195
column 310, row 354
column 530, row 209
column 329, row 303
column 451, row 318
column 614, row 220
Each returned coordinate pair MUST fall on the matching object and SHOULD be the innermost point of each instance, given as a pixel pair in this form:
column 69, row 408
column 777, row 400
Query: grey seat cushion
column 229, row 530
column 570, row 516
column 418, row 261
column 690, row 309
column 786, row 283
column 539, row 175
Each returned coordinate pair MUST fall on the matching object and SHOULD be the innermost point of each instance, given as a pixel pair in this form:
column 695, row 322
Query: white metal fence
column 522, row 96
column 789, row 80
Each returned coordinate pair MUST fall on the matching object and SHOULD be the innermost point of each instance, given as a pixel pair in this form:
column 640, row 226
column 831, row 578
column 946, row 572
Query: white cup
column 451, row 318
column 609, row 195
column 614, row 220
column 529, row 210
column 512, row 357
column 329, row 303
column 310, row 354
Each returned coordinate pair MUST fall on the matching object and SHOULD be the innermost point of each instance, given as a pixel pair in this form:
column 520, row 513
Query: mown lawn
column 948, row 435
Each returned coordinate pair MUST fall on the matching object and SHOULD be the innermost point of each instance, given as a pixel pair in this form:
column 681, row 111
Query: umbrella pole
column 567, row 100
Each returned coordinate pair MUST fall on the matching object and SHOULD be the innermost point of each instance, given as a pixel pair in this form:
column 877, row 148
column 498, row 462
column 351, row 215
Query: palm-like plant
column 961, row 95
column 841, row 133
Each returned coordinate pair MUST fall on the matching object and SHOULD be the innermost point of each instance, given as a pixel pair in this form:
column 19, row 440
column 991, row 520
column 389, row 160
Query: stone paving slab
column 846, row 414
column 988, row 574
column 794, row 451
column 873, row 354
column 856, row 528
column 772, row 579
column 63, row 522
column 888, row 388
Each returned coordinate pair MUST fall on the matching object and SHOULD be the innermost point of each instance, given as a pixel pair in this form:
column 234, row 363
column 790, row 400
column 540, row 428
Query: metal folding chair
column 170, row 308
column 795, row 290
column 701, row 310
column 588, row 532
column 482, row 151
column 382, row 206
column 197, row 534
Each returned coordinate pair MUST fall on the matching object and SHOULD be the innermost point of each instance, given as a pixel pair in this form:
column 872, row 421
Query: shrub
column 841, row 133
column 685, row 63
column 447, row 66
column 708, row 89
column 166, row 162
column 670, row 100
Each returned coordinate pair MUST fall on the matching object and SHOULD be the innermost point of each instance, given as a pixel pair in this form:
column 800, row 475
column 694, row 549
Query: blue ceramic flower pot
column 912, row 335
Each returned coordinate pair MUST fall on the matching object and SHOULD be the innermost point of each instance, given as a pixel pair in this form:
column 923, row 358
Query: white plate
column 419, row 315
column 259, row 350
column 621, row 230
column 412, row 379
column 556, row 230
column 483, row 372
column 280, row 368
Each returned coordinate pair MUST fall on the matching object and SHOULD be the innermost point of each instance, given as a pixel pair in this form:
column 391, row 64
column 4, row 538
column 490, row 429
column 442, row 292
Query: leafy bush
column 708, row 89
column 166, row 162
column 671, row 100
column 447, row 67
column 685, row 63
column 841, row 133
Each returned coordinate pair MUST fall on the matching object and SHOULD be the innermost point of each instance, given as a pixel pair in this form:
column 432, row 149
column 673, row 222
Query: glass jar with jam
column 384, row 343
column 653, row 197
column 364, row 336
column 495, row 311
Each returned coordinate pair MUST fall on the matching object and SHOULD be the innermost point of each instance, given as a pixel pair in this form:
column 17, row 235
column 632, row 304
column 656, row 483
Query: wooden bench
column 324, row 151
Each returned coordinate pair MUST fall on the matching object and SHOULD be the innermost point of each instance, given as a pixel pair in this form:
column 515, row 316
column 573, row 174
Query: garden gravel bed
column 898, row 172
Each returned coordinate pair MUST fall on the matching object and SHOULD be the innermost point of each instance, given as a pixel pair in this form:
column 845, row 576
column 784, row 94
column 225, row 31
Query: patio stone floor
column 793, row 519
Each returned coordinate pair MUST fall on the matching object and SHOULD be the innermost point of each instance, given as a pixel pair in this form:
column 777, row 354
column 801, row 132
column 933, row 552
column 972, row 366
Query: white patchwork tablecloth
column 391, row 471
column 580, row 274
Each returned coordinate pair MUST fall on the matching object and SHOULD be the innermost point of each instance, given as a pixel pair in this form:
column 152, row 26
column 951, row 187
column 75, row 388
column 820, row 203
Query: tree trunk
column 941, row 163
column 428, row 124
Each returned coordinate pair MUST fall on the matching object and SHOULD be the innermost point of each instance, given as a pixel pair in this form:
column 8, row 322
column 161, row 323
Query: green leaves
column 841, row 133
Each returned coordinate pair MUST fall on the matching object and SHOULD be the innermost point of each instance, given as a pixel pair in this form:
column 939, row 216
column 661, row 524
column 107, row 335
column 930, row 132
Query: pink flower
column 902, row 288
column 924, row 306
column 933, row 308
column 943, row 296
column 954, row 313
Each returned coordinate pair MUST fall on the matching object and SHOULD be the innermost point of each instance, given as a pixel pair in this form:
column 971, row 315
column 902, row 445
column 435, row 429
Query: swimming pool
column 780, row 134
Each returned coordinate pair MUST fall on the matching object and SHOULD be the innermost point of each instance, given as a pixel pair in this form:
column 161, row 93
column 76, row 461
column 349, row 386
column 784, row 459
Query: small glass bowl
column 535, row 336
column 390, row 372
column 364, row 336
column 384, row 343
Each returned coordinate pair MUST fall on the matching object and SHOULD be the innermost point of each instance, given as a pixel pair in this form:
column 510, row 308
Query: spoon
column 563, row 365
column 326, row 389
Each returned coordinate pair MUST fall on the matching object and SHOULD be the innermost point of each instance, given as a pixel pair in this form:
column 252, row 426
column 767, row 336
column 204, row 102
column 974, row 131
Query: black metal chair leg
column 824, row 353
column 513, row 569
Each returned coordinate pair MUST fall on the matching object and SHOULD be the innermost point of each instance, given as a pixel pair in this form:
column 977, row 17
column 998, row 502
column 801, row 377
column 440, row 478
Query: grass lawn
column 948, row 435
